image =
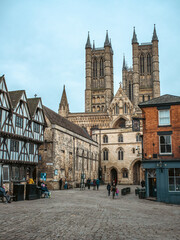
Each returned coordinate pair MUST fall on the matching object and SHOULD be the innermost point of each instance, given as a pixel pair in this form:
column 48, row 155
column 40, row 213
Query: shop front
column 162, row 180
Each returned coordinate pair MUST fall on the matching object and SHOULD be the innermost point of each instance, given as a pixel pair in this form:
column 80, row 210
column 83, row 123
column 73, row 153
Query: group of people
column 112, row 188
column 61, row 184
column 95, row 183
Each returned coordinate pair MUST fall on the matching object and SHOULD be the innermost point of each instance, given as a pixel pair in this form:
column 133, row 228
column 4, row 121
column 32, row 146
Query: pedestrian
column 94, row 184
column 89, row 183
column 117, row 192
column 109, row 189
column 4, row 193
column 60, row 184
column 66, row 184
column 142, row 183
column 113, row 189
column 97, row 183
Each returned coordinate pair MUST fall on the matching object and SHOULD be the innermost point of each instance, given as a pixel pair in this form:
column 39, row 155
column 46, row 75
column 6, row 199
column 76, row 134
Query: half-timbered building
column 21, row 132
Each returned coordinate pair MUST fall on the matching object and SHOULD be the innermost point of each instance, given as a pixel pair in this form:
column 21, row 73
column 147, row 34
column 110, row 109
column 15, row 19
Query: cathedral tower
column 99, row 76
column 141, row 83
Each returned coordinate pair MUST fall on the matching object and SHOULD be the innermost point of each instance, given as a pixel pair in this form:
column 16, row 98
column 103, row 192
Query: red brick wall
column 150, row 129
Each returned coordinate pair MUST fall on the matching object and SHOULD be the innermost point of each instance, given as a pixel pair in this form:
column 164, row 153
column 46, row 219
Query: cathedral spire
column 93, row 45
column 124, row 63
column 134, row 39
column 88, row 43
column 107, row 42
column 154, row 37
column 64, row 106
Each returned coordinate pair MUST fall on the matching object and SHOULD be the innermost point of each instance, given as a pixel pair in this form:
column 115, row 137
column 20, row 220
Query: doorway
column 136, row 173
column 152, row 183
column 114, row 175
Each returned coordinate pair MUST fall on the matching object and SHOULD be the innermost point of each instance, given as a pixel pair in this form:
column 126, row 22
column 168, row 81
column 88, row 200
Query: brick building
column 161, row 147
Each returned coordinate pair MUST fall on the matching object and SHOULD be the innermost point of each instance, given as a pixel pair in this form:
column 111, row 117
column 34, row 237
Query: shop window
column 22, row 173
column 5, row 173
column 165, row 144
column 174, row 179
column 164, row 117
column 15, row 173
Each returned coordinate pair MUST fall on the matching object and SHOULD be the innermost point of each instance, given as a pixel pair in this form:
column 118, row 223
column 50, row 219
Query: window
column 120, row 154
column 142, row 64
column 116, row 109
column 105, row 155
column 22, row 173
column 19, row 121
column 93, row 109
column 125, row 108
column 101, row 67
column 133, row 150
column 31, row 148
column 120, row 138
column 5, row 173
column 138, row 138
column 148, row 64
column 36, row 127
column 165, row 144
column 14, row 145
column 174, row 179
column 122, row 123
column 0, row 116
column 15, row 173
column 98, row 108
column 95, row 68
column 105, row 139
column 125, row 173
column 164, row 117
column 143, row 98
column 149, row 98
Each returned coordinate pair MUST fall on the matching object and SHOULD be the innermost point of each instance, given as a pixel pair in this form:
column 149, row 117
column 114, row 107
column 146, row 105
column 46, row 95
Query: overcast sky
column 42, row 43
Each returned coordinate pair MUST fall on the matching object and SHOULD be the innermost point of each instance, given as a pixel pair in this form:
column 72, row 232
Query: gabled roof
column 55, row 118
column 166, row 99
column 33, row 103
column 15, row 97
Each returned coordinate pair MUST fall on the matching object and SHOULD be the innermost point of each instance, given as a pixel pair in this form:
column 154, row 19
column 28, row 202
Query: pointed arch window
column 105, row 154
column 149, row 98
column 116, row 109
column 125, row 108
column 120, row 138
column 101, row 67
column 149, row 63
column 142, row 64
column 143, row 98
column 120, row 154
column 98, row 108
column 105, row 139
column 95, row 68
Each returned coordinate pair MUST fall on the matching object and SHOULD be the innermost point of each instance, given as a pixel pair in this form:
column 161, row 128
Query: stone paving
column 74, row 214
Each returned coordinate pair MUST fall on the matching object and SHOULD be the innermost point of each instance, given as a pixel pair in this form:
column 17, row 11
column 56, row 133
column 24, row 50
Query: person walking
column 113, row 189
column 89, row 183
column 109, row 189
column 94, row 184
column 97, row 183
column 60, row 184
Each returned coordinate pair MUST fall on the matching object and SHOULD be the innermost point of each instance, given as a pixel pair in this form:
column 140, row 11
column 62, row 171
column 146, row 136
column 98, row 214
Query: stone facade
column 68, row 152
column 109, row 115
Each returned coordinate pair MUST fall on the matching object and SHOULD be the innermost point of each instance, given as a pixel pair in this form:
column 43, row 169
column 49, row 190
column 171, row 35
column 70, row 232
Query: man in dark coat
column 109, row 189
column 89, row 183
column 60, row 183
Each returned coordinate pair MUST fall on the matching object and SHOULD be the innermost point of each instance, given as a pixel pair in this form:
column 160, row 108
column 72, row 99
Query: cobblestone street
column 75, row 214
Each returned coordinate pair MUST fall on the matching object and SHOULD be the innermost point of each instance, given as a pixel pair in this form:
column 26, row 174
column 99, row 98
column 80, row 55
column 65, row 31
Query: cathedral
column 115, row 121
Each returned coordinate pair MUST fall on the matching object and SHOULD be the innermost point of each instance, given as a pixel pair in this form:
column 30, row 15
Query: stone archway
column 114, row 176
column 136, row 172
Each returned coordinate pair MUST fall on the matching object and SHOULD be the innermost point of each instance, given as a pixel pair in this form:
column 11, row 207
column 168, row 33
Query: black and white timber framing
column 22, row 124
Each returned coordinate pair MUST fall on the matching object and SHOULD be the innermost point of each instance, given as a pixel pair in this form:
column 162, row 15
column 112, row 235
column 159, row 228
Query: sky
column 42, row 43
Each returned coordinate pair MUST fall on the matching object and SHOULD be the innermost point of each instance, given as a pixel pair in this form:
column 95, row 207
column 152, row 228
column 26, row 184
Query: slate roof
column 166, row 99
column 55, row 118
column 15, row 97
column 32, row 103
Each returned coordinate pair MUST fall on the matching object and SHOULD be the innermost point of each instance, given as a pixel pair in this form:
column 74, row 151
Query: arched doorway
column 114, row 175
column 136, row 173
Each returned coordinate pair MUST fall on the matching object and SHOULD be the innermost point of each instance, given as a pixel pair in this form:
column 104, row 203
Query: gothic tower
column 99, row 76
column 141, row 83
column 63, row 106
